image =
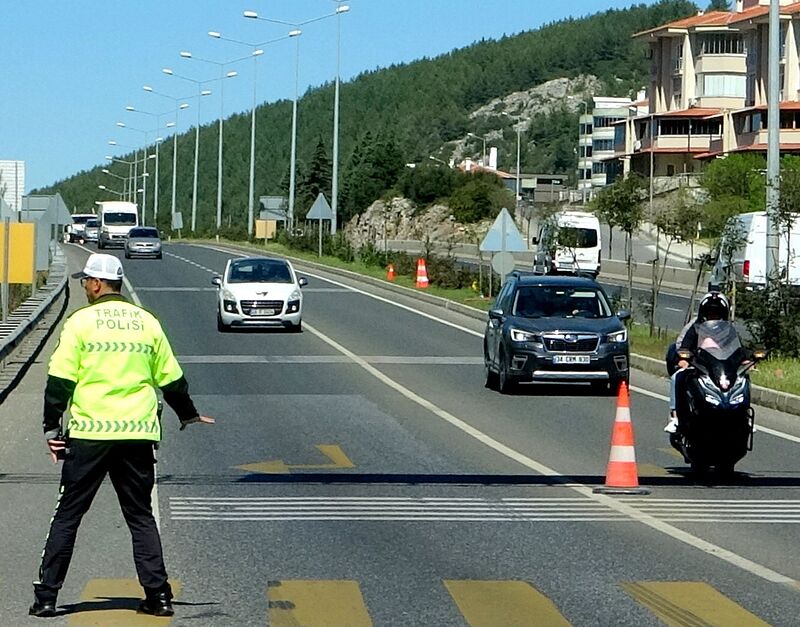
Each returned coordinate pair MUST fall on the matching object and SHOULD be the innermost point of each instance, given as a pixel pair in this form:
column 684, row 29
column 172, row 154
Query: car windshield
column 259, row 271
column 80, row 219
column 551, row 301
column 119, row 218
column 580, row 238
column 143, row 233
column 91, row 223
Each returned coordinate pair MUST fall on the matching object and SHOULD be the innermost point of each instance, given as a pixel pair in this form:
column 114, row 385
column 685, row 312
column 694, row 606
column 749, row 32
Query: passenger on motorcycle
column 713, row 306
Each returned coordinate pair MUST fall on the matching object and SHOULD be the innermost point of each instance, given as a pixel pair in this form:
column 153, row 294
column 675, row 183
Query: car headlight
column 518, row 335
column 228, row 295
column 618, row 336
column 295, row 295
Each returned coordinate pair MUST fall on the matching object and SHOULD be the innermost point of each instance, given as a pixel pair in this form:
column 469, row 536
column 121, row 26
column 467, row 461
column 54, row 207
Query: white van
column 579, row 250
column 748, row 264
column 117, row 218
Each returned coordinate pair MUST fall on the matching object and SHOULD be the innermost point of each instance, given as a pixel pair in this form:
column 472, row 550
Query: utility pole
column 773, row 140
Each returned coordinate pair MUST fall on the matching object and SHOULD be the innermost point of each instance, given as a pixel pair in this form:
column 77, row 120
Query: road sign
column 177, row 221
column 504, row 235
column 503, row 263
column 320, row 210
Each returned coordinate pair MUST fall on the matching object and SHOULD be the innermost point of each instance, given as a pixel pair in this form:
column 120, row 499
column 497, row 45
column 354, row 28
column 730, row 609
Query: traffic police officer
column 109, row 359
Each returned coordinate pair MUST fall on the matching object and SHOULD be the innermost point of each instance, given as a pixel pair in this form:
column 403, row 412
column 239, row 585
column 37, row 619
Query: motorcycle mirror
column 685, row 354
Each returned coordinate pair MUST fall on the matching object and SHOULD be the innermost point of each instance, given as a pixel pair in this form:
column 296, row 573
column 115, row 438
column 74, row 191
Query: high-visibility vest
column 117, row 355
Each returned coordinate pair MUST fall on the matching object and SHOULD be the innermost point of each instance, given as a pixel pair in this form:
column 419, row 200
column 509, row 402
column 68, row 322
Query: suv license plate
column 262, row 312
column 571, row 359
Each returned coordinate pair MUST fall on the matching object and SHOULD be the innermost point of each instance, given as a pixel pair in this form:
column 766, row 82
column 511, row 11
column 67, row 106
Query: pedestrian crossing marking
column 316, row 603
column 690, row 604
column 497, row 603
column 113, row 603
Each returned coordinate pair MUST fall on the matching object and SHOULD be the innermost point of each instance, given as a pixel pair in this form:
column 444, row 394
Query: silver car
column 143, row 241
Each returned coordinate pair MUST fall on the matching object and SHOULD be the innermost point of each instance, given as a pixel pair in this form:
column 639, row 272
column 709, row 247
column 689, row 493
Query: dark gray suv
column 554, row 328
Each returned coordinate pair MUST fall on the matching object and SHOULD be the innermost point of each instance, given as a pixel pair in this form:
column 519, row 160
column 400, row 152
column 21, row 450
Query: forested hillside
column 401, row 114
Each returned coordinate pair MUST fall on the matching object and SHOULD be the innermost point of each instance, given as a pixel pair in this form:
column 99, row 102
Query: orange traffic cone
column 390, row 272
column 422, row 273
column 621, row 475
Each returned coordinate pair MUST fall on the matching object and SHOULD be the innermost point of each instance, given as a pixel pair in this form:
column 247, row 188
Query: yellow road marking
column 338, row 460
column 690, row 604
column 496, row 603
column 316, row 603
column 113, row 603
column 672, row 452
column 651, row 470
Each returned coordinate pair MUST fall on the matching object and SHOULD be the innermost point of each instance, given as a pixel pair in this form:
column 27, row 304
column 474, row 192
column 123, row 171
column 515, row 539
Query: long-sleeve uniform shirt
column 110, row 358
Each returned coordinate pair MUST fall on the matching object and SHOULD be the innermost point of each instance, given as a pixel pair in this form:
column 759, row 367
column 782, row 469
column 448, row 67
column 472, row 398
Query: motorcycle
column 715, row 419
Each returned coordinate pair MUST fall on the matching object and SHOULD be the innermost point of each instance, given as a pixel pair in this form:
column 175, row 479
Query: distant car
column 143, row 241
column 74, row 232
column 259, row 292
column 91, row 230
column 554, row 328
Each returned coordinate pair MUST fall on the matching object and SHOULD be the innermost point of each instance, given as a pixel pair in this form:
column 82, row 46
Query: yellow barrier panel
column 21, row 250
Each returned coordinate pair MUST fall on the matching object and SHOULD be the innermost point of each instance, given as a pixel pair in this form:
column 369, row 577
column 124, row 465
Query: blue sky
column 70, row 68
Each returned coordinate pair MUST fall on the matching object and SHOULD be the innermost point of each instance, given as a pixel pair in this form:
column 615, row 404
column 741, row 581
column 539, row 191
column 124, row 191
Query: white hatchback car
column 259, row 292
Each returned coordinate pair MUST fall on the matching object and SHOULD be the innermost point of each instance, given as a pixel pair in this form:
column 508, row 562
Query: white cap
column 101, row 266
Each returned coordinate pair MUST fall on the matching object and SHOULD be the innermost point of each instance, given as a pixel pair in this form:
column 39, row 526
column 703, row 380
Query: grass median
column 777, row 374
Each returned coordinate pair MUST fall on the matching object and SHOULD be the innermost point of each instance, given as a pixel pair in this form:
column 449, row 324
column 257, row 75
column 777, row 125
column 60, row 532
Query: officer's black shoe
column 42, row 609
column 157, row 605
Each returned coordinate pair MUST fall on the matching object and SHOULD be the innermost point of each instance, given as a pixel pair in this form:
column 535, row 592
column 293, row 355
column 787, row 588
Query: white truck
column 747, row 264
column 75, row 232
column 568, row 243
column 116, row 218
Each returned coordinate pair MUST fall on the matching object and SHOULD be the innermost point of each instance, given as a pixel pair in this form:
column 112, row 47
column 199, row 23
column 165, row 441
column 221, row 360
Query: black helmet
column 714, row 306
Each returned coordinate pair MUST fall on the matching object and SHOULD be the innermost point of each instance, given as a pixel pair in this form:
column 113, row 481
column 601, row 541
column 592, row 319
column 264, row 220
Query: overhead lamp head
column 101, row 186
column 186, row 54
column 214, row 34
column 105, row 170
column 295, row 32
column 170, row 124
column 231, row 74
column 111, row 142
column 343, row 8
column 167, row 71
column 109, row 157
column 250, row 14
column 183, row 105
column 147, row 88
column 205, row 92
column 258, row 53
column 129, row 108
column 121, row 124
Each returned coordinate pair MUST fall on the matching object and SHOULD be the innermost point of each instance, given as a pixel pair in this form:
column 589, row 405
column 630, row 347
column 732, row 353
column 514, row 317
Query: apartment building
column 12, row 182
column 708, row 91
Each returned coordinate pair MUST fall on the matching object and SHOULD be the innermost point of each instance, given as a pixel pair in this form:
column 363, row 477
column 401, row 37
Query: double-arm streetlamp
column 222, row 75
column 144, row 165
column 178, row 106
column 132, row 167
column 111, row 191
column 340, row 9
column 200, row 93
column 256, row 52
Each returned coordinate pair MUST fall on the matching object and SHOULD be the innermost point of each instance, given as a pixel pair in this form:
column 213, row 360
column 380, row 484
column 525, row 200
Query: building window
column 599, row 167
column 670, row 170
column 585, row 128
column 586, row 151
column 722, row 43
column 599, row 145
column 677, row 59
column 723, row 85
column 687, row 127
column 605, row 121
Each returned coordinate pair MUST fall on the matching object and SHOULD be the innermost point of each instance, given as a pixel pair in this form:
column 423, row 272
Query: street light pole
column 483, row 139
column 342, row 8
column 293, row 159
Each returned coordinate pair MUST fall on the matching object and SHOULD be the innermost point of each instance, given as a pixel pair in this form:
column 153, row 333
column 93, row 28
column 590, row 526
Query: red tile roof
column 721, row 18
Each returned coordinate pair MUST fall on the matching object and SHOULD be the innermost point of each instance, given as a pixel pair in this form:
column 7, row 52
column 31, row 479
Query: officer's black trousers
column 130, row 464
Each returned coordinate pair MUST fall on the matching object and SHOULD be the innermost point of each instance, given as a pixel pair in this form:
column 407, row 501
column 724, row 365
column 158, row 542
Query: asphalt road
column 359, row 473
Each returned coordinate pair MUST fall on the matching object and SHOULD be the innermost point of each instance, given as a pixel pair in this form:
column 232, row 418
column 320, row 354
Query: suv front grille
column 571, row 343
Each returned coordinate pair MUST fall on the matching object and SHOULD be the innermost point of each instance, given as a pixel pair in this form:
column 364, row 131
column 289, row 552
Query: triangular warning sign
column 503, row 236
column 320, row 210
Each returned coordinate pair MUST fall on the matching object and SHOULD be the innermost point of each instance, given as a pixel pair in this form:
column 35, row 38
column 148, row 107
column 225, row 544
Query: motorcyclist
column 713, row 306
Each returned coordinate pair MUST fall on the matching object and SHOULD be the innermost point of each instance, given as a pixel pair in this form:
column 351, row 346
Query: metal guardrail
column 25, row 317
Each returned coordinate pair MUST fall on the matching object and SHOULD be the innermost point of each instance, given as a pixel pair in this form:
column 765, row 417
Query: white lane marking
column 399, row 360
column 673, row 309
column 619, row 506
column 177, row 289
